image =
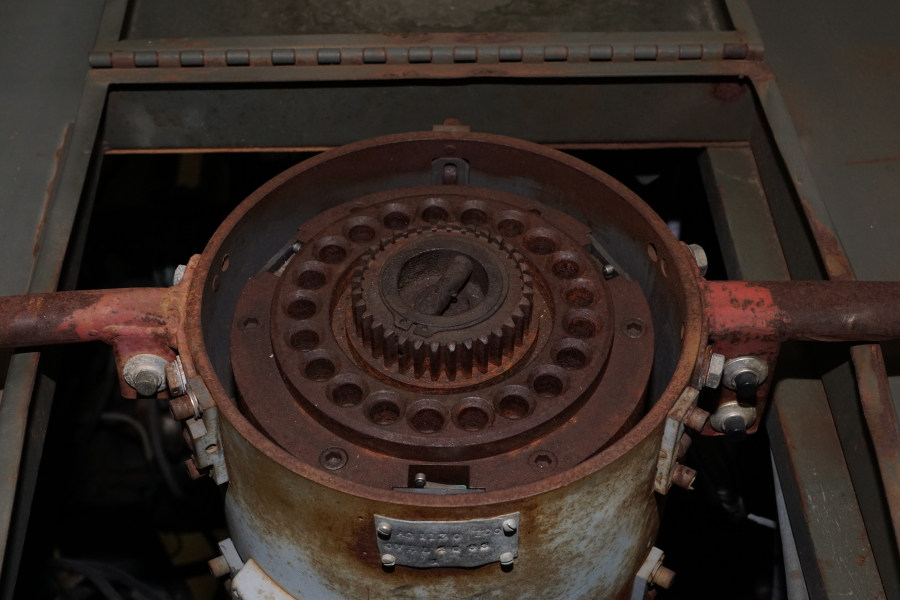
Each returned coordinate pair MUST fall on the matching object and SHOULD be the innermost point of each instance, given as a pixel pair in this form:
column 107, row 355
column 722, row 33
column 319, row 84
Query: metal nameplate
column 447, row 543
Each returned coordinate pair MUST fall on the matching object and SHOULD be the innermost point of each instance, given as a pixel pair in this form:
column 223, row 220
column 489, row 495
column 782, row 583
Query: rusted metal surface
column 878, row 408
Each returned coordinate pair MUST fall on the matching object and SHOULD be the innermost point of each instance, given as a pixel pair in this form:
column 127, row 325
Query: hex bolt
column 507, row 559
column 193, row 471
column 696, row 418
column 420, row 480
column 181, row 408
column 146, row 373
column 734, row 427
column 663, row 577
column 179, row 274
column 510, row 526
column 218, row 566
column 700, row 256
column 684, row 476
column 384, row 529
column 714, row 371
column 388, row 560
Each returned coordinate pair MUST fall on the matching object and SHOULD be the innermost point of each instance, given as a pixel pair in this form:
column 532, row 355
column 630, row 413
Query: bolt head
column 507, row 558
column 509, row 526
column 384, row 529
column 179, row 274
column 388, row 560
column 700, row 256
column 714, row 373
column 420, row 480
column 147, row 383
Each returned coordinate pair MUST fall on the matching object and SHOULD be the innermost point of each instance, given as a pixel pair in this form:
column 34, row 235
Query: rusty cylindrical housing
column 583, row 531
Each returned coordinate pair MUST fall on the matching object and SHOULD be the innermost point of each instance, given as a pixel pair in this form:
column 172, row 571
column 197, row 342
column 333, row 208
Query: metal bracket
column 449, row 171
column 665, row 464
column 652, row 571
column 204, row 433
column 252, row 583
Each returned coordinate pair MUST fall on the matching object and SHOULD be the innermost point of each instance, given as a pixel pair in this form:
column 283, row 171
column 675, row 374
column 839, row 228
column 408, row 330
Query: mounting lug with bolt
column 146, row 373
column 733, row 419
column 714, row 371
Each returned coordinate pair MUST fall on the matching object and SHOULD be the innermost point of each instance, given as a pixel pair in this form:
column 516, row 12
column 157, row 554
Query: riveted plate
column 426, row 544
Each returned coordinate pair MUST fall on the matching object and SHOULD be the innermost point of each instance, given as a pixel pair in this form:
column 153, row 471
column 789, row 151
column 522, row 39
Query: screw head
column 509, row 526
column 420, row 480
column 507, row 559
column 384, row 529
column 609, row 271
column 388, row 560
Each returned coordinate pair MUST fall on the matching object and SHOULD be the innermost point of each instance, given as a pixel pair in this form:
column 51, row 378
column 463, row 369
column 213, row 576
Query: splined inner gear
column 442, row 323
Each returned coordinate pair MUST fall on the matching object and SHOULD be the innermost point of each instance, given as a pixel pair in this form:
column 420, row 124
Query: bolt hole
column 664, row 267
column 473, row 217
column 305, row 339
column 224, row 263
column 543, row 460
column 651, row 250
column 311, row 279
column 547, row 386
column 361, row 234
column 333, row 459
column 384, row 413
column 472, row 418
column 320, row 369
column 249, row 323
column 510, row 227
column 433, row 214
column 514, row 406
column 565, row 265
column 570, row 359
column 302, row 308
column 216, row 283
column 211, row 449
column 332, row 254
column 542, row 241
column 535, row 210
column 582, row 324
column 347, row 394
column 579, row 296
column 396, row 220
column 427, row 420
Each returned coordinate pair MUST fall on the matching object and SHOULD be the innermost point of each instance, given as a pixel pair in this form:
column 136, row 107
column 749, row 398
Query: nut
column 700, row 256
column 696, row 418
column 181, row 408
column 714, row 372
column 146, row 373
column 744, row 364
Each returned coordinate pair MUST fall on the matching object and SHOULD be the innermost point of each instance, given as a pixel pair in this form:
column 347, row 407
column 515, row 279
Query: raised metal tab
column 447, row 543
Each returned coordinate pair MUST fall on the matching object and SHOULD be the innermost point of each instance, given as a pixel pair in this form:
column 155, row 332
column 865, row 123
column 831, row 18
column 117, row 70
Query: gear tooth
column 464, row 358
column 434, row 360
column 404, row 354
column 391, row 348
column 481, row 353
column 518, row 318
column 495, row 347
column 420, row 358
column 377, row 339
column 359, row 308
column 366, row 324
column 509, row 337
column 449, row 352
column 526, row 307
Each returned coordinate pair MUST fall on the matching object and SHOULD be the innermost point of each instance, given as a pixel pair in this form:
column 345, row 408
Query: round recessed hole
column 664, row 267
column 331, row 250
column 449, row 149
column 347, row 390
column 472, row 414
column 548, row 381
column 580, row 293
column 542, row 241
column 311, row 275
column 320, row 366
column 384, row 408
column 356, row 207
column 514, row 402
column 305, row 339
column 582, row 323
column 473, row 213
column 426, row 420
column 249, row 323
column 651, row 251
column 572, row 355
column 215, row 283
column 211, row 449
column 396, row 216
column 565, row 265
column 510, row 223
column 302, row 306
column 224, row 263
column 333, row 459
column 634, row 328
column 360, row 230
column 435, row 210
column 535, row 210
